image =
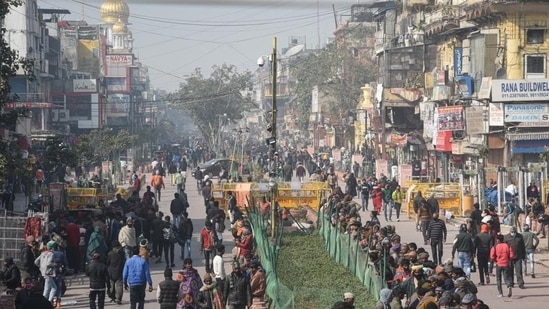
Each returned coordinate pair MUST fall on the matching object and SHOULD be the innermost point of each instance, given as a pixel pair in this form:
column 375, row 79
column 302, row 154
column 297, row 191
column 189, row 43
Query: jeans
column 464, row 262
column 118, row 290
column 59, row 283
column 157, row 193
column 365, row 200
column 529, row 260
column 50, row 288
column 176, row 220
column 208, row 259
column 397, row 210
column 100, row 295
column 183, row 243
column 437, row 250
column 168, row 249
column 516, row 269
column 505, row 272
column 482, row 261
column 137, row 296
column 388, row 206
column 424, row 226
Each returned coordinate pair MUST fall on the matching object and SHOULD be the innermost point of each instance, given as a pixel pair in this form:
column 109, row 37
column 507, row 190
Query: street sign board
column 538, row 112
column 508, row 90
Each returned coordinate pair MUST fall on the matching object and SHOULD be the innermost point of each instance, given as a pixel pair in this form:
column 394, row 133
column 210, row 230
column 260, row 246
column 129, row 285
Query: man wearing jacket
column 185, row 230
column 436, row 232
column 483, row 243
column 135, row 276
column 115, row 265
column 463, row 244
column 167, row 291
column 237, row 291
column 531, row 242
column 516, row 242
column 99, row 279
column 28, row 269
column 127, row 238
column 501, row 255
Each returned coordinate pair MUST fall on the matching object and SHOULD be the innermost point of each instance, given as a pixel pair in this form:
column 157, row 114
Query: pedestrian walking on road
column 237, row 291
column 219, row 266
column 185, row 231
column 190, row 285
column 168, row 242
column 463, row 244
column 424, row 215
column 127, row 238
column 167, row 291
column 135, row 276
column 99, row 282
column 437, row 235
column 208, row 241
column 501, row 255
column 483, row 243
column 209, row 296
column 177, row 206
column 531, row 242
column 115, row 266
column 397, row 197
column 516, row 242
column 157, row 182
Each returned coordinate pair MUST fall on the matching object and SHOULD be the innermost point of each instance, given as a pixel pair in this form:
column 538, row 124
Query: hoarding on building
column 536, row 112
column 474, row 117
column 84, row 85
column 88, row 55
column 508, row 90
column 118, row 103
column 495, row 113
column 450, row 118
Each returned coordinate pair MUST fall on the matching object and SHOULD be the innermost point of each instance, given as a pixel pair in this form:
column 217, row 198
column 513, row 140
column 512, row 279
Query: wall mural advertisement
column 450, row 118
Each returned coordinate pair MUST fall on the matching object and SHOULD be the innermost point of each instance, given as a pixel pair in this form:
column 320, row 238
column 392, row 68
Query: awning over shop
column 529, row 146
column 528, row 136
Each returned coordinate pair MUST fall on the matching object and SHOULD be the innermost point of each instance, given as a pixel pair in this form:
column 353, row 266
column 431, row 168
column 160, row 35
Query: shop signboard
column 509, row 90
column 531, row 112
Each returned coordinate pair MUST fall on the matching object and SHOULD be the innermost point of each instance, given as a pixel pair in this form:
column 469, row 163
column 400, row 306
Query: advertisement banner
column 404, row 173
column 536, row 112
column 84, row 85
column 450, row 118
column 118, row 103
column 88, row 56
column 382, row 167
column 474, row 118
column 495, row 114
column 443, row 143
column 458, row 63
column 509, row 90
column 399, row 140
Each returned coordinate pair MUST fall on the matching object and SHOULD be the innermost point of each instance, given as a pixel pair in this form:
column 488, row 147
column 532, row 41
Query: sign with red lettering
column 119, row 60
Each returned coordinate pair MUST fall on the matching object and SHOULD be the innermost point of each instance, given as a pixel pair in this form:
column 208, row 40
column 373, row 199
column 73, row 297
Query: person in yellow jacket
column 397, row 201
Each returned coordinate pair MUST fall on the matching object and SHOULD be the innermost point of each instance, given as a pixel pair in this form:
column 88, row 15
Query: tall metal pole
column 272, row 171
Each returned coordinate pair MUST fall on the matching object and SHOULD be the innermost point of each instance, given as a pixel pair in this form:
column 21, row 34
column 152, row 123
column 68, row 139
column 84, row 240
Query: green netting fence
column 281, row 297
column 348, row 252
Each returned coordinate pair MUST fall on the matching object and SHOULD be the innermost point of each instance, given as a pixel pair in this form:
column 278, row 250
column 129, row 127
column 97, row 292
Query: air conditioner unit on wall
column 63, row 115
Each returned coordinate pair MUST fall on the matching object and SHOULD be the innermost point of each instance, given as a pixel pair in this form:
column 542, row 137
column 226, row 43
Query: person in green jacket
column 464, row 245
column 397, row 201
column 387, row 202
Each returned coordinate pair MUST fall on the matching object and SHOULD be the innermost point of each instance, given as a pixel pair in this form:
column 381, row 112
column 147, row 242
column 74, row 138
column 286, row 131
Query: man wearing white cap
column 349, row 298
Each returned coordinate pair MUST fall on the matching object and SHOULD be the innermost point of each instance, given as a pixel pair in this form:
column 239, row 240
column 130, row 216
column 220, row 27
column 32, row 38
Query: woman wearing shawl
column 385, row 297
column 209, row 297
column 96, row 244
column 189, row 287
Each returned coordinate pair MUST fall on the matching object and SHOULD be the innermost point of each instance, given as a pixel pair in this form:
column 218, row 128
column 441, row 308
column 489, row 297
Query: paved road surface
column 535, row 293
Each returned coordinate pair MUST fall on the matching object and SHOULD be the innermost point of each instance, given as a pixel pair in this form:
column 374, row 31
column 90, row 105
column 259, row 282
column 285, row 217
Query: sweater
column 99, row 276
column 437, row 230
column 127, row 236
column 502, row 254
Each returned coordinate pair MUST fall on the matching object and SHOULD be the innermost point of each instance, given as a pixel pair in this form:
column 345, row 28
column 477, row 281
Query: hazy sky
column 173, row 37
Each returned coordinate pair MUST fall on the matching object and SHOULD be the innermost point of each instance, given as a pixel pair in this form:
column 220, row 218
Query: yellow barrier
column 289, row 195
column 448, row 196
column 84, row 197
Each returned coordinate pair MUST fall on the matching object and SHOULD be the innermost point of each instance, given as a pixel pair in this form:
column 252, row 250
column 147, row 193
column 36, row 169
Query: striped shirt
column 437, row 230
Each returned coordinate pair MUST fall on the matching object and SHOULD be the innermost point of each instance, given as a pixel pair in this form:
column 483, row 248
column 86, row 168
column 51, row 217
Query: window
column 535, row 36
column 535, row 66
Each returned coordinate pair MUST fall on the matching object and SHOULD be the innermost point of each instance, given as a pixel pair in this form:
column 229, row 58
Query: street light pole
column 272, row 171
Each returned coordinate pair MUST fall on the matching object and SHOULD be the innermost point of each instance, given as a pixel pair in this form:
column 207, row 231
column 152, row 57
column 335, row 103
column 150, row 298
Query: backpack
column 168, row 234
column 157, row 180
column 221, row 225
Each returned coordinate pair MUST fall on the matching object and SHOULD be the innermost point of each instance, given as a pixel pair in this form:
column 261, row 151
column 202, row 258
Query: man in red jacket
column 501, row 255
column 73, row 246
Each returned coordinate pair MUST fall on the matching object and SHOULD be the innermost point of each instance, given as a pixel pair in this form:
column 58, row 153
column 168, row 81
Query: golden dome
column 120, row 27
column 113, row 10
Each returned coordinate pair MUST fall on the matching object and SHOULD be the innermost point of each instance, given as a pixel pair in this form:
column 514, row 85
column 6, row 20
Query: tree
column 206, row 99
column 58, row 154
column 103, row 145
column 338, row 73
column 12, row 163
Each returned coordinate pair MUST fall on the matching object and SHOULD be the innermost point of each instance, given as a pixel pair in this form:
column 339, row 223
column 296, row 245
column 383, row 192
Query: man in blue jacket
column 135, row 276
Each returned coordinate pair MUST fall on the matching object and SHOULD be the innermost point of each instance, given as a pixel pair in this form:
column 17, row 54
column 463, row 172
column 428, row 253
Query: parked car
column 213, row 167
